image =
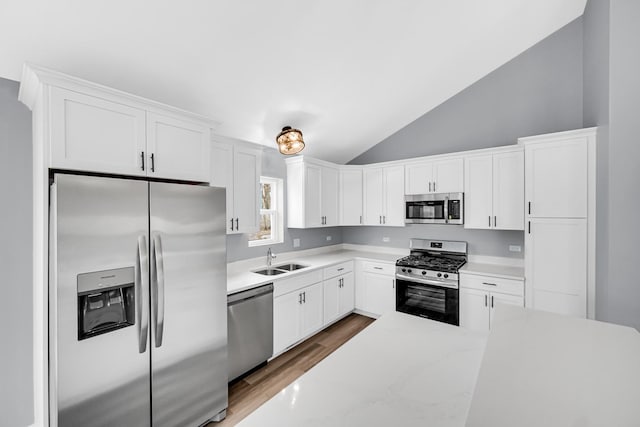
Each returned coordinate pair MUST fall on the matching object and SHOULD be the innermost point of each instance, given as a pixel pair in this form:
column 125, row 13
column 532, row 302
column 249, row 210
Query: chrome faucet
column 270, row 257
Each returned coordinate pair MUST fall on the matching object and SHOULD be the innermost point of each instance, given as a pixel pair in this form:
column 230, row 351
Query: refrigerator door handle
column 142, row 285
column 157, row 287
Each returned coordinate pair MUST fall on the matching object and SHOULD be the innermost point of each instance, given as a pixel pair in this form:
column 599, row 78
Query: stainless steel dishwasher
column 250, row 329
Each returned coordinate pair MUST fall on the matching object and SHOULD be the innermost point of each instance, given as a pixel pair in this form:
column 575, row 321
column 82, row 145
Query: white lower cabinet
column 296, row 315
column 339, row 297
column 375, row 287
column 479, row 295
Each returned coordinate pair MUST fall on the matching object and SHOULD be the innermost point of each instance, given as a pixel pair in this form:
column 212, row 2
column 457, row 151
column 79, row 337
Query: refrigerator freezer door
column 98, row 302
column 188, row 303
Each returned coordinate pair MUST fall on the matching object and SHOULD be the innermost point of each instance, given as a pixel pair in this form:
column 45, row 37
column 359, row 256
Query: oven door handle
column 427, row 281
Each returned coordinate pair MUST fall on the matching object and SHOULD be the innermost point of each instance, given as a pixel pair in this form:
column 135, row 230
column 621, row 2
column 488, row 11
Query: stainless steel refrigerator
column 137, row 303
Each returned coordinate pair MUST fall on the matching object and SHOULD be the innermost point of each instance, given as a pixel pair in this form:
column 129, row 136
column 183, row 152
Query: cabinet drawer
column 338, row 269
column 290, row 284
column 492, row 284
column 380, row 268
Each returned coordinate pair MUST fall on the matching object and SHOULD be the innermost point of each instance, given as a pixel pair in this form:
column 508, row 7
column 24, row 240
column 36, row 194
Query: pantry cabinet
column 237, row 168
column 479, row 295
column 383, row 196
column 350, row 203
column 440, row 176
column 312, row 193
column 103, row 133
column 494, row 191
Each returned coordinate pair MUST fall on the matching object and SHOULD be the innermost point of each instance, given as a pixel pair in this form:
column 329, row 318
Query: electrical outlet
column 328, row 238
column 386, row 239
column 515, row 248
column 296, row 243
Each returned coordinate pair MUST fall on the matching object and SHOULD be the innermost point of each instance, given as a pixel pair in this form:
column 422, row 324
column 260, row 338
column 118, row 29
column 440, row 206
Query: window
column 271, row 215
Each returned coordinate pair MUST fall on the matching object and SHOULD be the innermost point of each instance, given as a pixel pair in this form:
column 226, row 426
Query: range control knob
column 439, row 274
column 446, row 275
column 409, row 271
column 424, row 272
column 404, row 270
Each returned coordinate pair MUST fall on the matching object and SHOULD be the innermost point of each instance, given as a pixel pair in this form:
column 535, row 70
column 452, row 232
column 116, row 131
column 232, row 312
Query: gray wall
column 537, row 92
column 16, row 377
column 596, row 113
column 623, row 285
column 273, row 165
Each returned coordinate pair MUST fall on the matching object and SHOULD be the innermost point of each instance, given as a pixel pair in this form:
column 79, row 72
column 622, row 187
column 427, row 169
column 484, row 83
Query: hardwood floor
column 246, row 395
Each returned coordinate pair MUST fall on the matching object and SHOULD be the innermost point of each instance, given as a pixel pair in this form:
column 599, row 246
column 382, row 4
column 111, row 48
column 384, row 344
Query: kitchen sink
column 270, row 271
column 290, row 267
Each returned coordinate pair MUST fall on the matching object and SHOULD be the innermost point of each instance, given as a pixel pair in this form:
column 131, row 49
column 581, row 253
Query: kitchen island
column 401, row 370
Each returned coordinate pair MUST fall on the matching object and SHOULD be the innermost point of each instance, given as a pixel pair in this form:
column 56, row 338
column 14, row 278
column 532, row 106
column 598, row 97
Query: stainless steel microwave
column 439, row 208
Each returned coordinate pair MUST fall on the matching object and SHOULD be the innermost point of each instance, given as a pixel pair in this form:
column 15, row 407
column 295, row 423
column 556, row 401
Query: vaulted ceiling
column 348, row 73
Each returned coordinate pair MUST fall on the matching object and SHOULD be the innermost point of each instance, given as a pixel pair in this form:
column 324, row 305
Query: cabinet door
column 380, row 294
column 93, row 134
column 177, row 149
column 556, row 266
column 497, row 298
column 246, row 189
column 474, row 309
column 556, row 178
column 313, row 196
column 312, row 309
column 330, row 196
column 373, row 200
column 448, row 176
column 222, row 176
column 286, row 320
column 419, row 178
column 394, row 196
column 508, row 191
column 331, row 299
column 347, row 295
column 478, row 176
column 351, row 197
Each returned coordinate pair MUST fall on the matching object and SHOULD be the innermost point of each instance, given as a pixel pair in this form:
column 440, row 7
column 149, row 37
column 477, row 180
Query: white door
column 93, row 134
column 497, row 298
column 330, row 196
column 508, row 191
column 286, row 320
column 351, row 197
column 393, row 213
column 556, row 179
column 246, row 189
column 380, row 293
column 177, row 149
column 556, row 266
column 347, row 295
column 474, row 309
column 478, row 192
column 419, row 178
column 222, row 176
column 448, row 176
column 312, row 309
column 331, row 299
column 313, row 196
column 373, row 196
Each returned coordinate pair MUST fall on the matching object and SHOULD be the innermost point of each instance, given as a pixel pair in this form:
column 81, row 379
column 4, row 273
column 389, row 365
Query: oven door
column 433, row 302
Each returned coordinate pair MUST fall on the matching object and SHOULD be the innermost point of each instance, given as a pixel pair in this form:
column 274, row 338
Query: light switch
column 386, row 239
column 515, row 248
column 328, row 238
column 296, row 243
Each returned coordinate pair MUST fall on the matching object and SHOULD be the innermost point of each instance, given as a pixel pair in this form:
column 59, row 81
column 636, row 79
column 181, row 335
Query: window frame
column 276, row 212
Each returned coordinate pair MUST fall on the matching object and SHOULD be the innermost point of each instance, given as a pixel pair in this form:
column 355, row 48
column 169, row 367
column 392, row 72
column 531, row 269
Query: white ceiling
column 348, row 73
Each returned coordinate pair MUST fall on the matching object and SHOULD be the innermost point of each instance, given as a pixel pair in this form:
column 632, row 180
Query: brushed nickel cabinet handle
column 495, row 223
column 489, row 284
column 142, row 158
column 485, row 300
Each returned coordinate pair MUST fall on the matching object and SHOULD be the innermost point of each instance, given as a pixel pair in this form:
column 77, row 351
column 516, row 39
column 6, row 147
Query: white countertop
column 240, row 276
column 543, row 369
column 402, row 370
column 493, row 270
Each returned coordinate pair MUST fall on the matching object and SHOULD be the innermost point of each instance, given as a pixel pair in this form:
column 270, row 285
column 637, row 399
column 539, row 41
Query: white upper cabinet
column 312, row 193
column 178, row 149
column 440, row 176
column 238, row 168
column 96, row 135
column 557, row 179
column 351, row 196
column 384, row 196
column 94, row 128
column 494, row 191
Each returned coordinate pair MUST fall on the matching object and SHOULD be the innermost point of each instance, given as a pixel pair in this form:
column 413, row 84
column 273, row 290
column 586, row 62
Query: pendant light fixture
column 290, row 141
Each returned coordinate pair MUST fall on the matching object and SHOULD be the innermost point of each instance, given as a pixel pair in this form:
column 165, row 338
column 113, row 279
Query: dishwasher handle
column 249, row 294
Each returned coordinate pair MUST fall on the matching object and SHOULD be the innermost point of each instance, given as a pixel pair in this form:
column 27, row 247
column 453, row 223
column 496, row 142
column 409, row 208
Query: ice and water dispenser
column 106, row 301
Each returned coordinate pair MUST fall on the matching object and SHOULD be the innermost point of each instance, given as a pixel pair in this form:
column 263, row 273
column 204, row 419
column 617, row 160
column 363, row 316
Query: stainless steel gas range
column 427, row 280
